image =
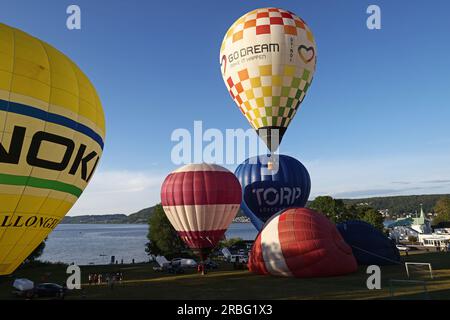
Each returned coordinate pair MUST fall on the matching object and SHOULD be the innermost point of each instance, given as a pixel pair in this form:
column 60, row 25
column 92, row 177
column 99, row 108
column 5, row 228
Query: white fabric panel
column 271, row 249
column 201, row 217
column 200, row 167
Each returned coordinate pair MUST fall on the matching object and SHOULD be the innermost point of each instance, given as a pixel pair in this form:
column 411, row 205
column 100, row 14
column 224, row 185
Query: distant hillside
column 397, row 205
column 93, row 219
column 401, row 204
column 140, row 217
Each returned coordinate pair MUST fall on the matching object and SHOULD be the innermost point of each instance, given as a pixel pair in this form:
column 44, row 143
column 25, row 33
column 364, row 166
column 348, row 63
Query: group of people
column 109, row 279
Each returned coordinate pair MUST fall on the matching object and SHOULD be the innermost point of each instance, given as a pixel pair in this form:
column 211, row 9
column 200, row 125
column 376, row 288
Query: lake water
column 95, row 243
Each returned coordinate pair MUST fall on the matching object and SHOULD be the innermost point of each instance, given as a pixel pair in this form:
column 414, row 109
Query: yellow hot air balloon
column 52, row 130
column 268, row 59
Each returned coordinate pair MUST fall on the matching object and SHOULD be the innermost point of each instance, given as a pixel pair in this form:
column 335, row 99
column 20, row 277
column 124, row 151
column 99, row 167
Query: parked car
column 175, row 269
column 23, row 288
column 52, row 290
column 238, row 258
column 211, row 265
column 184, row 263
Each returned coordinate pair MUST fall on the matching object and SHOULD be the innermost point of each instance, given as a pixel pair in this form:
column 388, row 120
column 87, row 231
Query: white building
column 421, row 224
column 403, row 228
column 435, row 240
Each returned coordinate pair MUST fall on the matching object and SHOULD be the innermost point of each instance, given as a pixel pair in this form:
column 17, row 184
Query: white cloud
column 379, row 176
column 111, row 192
column 123, row 191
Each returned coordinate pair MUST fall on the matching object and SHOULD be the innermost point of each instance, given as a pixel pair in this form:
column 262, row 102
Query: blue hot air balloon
column 369, row 245
column 270, row 186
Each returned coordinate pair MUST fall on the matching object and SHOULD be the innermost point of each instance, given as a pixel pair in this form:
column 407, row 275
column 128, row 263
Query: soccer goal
column 418, row 268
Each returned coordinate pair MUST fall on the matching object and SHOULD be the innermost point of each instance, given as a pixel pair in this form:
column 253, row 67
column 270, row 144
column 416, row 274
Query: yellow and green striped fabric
column 52, row 131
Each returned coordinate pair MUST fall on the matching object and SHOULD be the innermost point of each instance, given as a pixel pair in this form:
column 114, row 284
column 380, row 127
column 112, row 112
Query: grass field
column 141, row 282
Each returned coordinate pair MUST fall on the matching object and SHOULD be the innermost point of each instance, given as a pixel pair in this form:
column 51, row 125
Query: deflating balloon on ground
column 369, row 245
column 300, row 242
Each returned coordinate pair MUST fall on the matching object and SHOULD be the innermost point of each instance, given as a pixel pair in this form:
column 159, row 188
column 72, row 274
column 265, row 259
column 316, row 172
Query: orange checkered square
column 263, row 20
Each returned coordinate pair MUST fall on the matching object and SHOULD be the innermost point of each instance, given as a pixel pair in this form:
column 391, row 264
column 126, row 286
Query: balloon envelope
column 200, row 201
column 268, row 59
column 267, row 191
column 52, row 131
column 369, row 245
column 300, row 242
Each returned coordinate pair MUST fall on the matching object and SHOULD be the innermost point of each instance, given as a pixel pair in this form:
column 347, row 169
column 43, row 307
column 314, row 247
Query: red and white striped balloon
column 200, row 201
column 303, row 243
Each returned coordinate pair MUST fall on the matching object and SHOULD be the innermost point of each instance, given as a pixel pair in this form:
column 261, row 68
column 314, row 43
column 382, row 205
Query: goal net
column 419, row 270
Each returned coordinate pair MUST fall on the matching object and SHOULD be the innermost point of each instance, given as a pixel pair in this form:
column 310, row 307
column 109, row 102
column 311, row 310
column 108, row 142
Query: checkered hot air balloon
column 200, row 201
column 268, row 58
column 300, row 242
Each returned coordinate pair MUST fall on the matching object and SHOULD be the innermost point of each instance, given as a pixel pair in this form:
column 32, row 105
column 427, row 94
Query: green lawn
column 141, row 282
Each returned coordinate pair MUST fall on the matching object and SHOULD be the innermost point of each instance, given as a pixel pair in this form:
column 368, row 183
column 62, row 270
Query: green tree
column 163, row 239
column 334, row 209
column 442, row 210
column 229, row 242
column 36, row 252
column 357, row 210
column 337, row 211
column 372, row 216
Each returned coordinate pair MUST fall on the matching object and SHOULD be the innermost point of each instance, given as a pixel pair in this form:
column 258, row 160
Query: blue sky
column 375, row 121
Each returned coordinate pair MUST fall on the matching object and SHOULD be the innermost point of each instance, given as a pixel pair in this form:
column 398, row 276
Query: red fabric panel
column 200, row 188
column 201, row 239
column 263, row 29
column 312, row 245
column 256, row 262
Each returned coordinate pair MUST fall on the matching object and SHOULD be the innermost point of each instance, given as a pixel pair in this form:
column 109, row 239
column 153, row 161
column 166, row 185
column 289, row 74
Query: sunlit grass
column 141, row 282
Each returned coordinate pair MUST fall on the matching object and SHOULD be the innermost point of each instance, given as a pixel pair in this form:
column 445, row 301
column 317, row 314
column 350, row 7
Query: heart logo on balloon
column 306, row 54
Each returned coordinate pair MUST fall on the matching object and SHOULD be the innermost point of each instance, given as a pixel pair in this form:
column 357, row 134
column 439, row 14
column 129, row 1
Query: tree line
column 164, row 240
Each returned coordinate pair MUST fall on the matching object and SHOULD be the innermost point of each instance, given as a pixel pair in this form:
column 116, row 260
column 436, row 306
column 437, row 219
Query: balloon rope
column 224, row 62
column 376, row 255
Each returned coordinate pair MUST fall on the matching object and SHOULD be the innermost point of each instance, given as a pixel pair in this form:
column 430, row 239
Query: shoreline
column 73, row 223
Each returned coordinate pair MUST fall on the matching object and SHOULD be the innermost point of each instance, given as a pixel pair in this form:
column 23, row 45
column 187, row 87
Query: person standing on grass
column 99, row 278
column 201, row 268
